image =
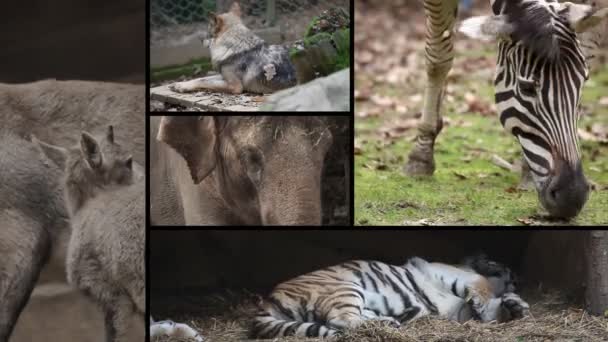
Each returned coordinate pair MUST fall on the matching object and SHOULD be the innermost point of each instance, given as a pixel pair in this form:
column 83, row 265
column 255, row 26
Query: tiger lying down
column 324, row 302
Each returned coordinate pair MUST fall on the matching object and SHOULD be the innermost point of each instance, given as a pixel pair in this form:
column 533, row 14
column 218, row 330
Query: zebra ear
column 487, row 28
column 583, row 17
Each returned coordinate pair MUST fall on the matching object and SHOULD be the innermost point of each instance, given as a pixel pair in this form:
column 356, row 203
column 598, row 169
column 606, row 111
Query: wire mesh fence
column 175, row 22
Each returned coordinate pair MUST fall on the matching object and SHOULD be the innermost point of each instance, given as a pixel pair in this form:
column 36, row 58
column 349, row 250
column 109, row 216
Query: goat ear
column 58, row 155
column 194, row 138
column 583, row 17
column 486, row 28
column 90, row 150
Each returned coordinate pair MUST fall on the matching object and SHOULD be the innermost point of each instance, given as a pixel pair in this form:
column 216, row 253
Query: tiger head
column 501, row 278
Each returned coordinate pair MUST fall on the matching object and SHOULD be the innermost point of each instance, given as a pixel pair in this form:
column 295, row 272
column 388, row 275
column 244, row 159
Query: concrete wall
column 258, row 260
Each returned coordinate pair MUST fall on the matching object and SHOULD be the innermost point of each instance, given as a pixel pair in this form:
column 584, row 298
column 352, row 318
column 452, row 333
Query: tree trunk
column 596, row 253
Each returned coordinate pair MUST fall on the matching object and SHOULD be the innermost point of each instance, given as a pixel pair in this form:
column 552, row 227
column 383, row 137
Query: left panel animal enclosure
column 84, row 62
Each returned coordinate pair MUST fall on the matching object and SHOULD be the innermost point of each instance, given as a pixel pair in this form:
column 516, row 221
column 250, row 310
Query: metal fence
column 173, row 22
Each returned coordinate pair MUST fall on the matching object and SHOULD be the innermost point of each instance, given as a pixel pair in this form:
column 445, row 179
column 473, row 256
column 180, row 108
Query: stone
column 331, row 93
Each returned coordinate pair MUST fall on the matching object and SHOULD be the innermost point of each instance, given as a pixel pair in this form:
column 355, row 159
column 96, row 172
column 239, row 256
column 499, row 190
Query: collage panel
column 231, row 170
column 72, row 91
column 479, row 113
column 250, row 55
column 377, row 285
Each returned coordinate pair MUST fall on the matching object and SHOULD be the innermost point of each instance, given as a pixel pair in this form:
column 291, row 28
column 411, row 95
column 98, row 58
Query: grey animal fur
column 34, row 219
column 237, row 170
column 105, row 196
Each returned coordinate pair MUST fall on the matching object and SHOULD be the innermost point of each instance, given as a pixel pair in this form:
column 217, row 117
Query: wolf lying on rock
column 245, row 62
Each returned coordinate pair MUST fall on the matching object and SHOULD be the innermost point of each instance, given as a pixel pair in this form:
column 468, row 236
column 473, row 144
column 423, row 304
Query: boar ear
column 194, row 138
column 90, row 150
column 235, row 9
column 58, row 155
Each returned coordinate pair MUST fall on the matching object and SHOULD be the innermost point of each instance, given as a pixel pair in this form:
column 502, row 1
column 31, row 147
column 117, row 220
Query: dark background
column 73, row 39
column 211, row 261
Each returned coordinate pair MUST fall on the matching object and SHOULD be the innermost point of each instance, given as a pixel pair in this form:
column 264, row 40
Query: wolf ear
column 235, row 9
column 195, row 139
column 487, row 28
column 90, row 150
column 58, row 155
column 583, row 17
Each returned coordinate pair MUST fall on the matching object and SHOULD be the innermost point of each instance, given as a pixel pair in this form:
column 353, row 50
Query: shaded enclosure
column 72, row 39
column 190, row 268
column 69, row 39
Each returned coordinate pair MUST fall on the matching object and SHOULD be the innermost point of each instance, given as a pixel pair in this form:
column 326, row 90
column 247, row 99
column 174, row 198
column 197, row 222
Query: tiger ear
column 487, row 27
column 583, row 17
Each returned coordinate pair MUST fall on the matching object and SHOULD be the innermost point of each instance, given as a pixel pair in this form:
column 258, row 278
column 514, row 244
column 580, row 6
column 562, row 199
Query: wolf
column 244, row 61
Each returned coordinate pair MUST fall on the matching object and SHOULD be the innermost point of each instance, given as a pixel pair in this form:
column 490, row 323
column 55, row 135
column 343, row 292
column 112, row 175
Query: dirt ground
column 225, row 317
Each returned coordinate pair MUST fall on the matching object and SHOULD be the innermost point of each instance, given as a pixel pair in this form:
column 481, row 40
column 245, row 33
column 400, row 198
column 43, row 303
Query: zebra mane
column 533, row 25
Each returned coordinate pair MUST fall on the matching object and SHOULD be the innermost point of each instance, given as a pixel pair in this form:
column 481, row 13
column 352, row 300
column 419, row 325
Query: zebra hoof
column 419, row 167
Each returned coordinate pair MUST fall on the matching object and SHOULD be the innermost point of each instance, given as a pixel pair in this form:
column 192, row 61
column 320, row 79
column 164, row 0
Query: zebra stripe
column 544, row 120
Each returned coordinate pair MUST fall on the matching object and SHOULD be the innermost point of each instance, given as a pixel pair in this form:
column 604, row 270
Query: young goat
column 104, row 193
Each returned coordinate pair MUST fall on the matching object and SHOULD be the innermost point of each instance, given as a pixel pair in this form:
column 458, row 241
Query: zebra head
column 540, row 73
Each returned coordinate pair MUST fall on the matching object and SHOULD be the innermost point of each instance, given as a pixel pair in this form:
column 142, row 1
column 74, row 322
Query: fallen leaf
column 382, row 101
column 511, row 190
column 460, row 175
column 404, row 205
column 357, row 149
column 584, row 135
column 362, row 95
column 421, row 222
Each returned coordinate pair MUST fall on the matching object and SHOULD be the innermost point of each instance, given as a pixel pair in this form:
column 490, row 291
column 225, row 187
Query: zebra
column 540, row 71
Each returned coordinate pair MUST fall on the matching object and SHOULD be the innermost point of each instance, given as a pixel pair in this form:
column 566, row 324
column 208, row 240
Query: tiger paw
column 390, row 321
column 516, row 306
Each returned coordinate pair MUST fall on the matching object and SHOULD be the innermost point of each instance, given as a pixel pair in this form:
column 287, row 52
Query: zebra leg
column 440, row 18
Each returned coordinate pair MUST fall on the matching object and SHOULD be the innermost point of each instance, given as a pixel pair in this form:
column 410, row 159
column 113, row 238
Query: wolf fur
column 33, row 217
column 105, row 197
column 245, row 62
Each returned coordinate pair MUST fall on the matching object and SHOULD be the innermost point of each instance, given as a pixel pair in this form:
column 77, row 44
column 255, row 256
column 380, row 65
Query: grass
column 466, row 188
column 195, row 66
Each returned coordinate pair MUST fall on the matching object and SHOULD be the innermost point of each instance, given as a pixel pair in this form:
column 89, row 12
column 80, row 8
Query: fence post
column 596, row 250
column 271, row 17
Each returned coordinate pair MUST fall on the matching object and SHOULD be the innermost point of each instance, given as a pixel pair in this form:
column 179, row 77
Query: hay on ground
column 225, row 319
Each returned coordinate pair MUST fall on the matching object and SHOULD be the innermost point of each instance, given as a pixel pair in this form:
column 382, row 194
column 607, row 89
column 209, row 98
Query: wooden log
column 207, row 101
column 596, row 255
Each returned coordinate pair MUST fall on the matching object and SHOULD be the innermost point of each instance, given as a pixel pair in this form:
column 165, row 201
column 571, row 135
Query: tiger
column 326, row 302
